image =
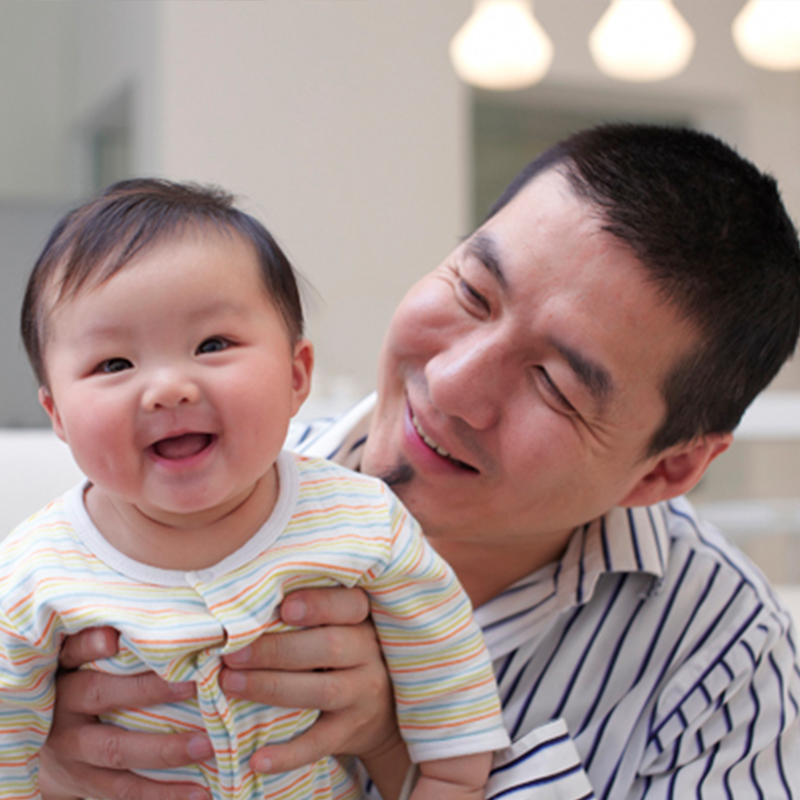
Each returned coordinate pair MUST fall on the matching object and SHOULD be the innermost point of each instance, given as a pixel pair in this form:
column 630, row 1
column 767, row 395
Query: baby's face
column 174, row 381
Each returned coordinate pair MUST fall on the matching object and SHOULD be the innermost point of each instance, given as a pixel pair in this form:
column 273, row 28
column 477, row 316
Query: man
column 543, row 397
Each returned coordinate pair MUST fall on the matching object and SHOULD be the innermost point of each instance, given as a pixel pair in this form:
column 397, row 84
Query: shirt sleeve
column 544, row 765
column 445, row 691
column 728, row 727
column 27, row 693
column 724, row 728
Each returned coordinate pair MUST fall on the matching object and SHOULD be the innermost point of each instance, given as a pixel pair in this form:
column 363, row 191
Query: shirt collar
column 625, row 540
column 343, row 440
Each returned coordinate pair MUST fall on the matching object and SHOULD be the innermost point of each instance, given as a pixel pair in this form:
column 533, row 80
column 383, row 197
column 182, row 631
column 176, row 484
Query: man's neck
column 486, row 571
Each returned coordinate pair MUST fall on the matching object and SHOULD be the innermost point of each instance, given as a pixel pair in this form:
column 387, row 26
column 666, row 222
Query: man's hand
column 83, row 757
column 335, row 665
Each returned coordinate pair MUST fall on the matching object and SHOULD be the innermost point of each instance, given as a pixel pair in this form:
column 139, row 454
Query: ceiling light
column 501, row 46
column 767, row 34
column 641, row 40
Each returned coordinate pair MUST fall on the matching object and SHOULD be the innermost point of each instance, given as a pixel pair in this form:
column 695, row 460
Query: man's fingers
column 127, row 786
column 88, row 645
column 326, row 736
column 56, row 782
column 92, row 693
column 333, row 664
column 330, row 606
column 113, row 748
column 328, row 691
column 112, row 785
column 309, row 649
column 83, row 757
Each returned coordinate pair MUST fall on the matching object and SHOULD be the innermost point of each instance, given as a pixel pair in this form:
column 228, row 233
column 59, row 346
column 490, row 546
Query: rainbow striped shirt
column 330, row 526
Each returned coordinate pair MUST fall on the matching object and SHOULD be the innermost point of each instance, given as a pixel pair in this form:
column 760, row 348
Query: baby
column 165, row 329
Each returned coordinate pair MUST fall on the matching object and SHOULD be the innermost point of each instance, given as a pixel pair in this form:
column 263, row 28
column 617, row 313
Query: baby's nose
column 170, row 389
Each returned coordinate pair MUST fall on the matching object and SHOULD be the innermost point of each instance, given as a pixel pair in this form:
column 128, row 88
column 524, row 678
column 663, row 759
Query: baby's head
column 95, row 241
column 165, row 328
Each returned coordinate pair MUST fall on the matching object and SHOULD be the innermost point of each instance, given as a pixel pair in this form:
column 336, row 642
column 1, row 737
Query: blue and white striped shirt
column 652, row 661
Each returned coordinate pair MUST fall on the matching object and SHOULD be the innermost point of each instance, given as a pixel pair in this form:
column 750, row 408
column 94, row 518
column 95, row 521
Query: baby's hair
column 96, row 240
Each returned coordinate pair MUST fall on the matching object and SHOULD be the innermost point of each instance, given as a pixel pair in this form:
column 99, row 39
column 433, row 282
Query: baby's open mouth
column 183, row 446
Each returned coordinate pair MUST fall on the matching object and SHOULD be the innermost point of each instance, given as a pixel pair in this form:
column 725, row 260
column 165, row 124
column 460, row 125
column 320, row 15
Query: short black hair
column 96, row 240
column 713, row 234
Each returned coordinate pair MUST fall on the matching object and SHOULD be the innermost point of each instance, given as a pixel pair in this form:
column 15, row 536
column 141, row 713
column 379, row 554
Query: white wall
column 33, row 81
column 341, row 121
column 344, row 126
column 115, row 48
column 756, row 110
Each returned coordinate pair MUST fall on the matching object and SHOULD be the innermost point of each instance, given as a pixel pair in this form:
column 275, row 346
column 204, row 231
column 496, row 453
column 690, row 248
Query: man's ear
column 677, row 470
column 49, row 405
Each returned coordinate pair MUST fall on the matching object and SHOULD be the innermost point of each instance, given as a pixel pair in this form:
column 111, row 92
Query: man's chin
column 399, row 475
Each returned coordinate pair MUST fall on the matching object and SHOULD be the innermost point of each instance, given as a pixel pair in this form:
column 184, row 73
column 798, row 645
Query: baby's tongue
column 189, row 444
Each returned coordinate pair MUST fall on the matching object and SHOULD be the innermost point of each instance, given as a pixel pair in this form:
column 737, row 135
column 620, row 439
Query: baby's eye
column 213, row 345
column 111, row 365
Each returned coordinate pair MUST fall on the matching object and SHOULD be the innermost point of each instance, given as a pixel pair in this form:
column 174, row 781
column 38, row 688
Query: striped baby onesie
column 330, row 526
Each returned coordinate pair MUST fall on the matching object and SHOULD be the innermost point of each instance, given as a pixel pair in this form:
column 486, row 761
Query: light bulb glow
column 641, row 40
column 767, row 34
column 501, row 46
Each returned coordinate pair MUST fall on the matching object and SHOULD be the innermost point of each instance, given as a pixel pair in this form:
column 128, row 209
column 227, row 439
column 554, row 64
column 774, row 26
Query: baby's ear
column 302, row 367
column 49, row 405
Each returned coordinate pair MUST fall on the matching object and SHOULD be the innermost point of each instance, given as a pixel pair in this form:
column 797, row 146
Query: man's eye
column 111, row 365
column 554, row 392
column 472, row 296
column 213, row 345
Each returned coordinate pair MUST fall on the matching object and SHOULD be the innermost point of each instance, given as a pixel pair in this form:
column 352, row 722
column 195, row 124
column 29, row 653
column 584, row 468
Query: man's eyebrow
column 592, row 375
column 484, row 248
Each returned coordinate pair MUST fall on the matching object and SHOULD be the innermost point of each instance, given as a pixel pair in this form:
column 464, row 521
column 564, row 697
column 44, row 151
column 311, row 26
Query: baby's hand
column 461, row 778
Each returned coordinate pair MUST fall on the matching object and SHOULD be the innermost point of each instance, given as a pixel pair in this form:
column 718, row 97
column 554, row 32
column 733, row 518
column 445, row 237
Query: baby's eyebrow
column 219, row 306
column 101, row 331
column 111, row 329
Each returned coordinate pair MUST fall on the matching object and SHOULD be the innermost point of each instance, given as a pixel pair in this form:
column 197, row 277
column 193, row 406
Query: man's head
column 95, row 241
column 532, row 381
column 716, row 241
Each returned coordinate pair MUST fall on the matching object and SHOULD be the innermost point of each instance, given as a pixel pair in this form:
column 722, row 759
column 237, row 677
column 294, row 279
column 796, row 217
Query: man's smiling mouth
column 438, row 449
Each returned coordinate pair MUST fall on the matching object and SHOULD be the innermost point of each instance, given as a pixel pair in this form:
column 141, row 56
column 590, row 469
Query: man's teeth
column 428, row 441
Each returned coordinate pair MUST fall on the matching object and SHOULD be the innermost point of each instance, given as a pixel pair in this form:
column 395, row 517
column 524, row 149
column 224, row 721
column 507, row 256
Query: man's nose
column 467, row 380
column 169, row 388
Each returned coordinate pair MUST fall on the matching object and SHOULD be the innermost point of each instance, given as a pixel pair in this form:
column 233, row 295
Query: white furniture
column 35, row 467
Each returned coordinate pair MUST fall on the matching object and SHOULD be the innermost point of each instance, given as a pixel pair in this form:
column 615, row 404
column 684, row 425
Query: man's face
column 520, row 382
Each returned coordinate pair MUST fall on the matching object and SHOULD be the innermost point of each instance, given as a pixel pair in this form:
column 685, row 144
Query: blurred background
column 345, row 127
